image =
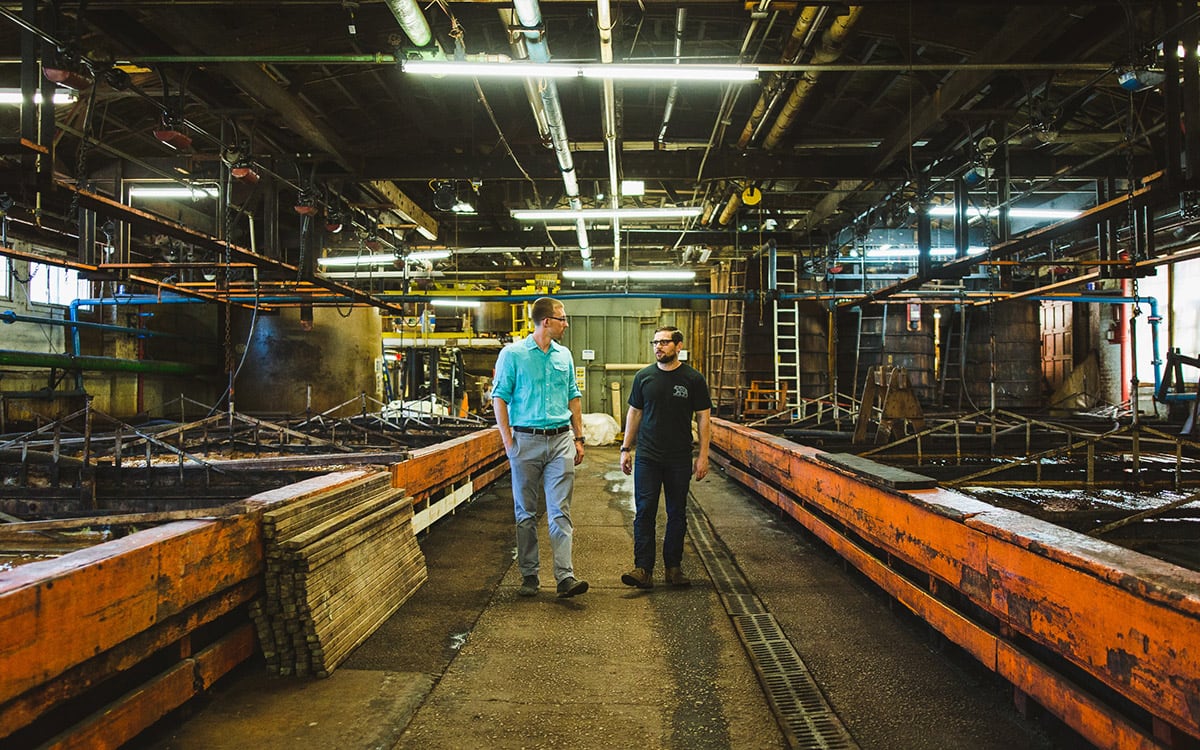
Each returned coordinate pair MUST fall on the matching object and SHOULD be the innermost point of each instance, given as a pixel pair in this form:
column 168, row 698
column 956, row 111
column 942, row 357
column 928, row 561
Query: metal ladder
column 953, row 356
column 725, row 338
column 787, row 329
column 868, row 344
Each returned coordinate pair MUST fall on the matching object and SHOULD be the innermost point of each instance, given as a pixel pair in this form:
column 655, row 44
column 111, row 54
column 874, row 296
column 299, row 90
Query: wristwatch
column 625, row 450
column 579, row 438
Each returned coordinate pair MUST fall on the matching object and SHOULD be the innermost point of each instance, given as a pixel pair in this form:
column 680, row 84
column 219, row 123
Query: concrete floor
column 466, row 663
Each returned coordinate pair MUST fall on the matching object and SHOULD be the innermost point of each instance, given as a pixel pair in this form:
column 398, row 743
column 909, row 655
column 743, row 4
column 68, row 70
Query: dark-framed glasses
column 563, row 319
column 661, row 342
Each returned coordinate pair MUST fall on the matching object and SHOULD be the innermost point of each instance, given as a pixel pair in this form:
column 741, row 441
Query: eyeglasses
column 563, row 319
column 661, row 342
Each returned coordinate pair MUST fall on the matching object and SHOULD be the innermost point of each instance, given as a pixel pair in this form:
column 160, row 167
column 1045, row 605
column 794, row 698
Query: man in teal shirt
column 537, row 405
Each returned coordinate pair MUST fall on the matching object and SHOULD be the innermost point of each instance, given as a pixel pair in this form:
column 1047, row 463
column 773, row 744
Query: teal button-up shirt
column 536, row 385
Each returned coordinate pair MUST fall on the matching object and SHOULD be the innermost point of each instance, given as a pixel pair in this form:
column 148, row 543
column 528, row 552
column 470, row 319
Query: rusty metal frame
column 1116, row 619
column 68, row 625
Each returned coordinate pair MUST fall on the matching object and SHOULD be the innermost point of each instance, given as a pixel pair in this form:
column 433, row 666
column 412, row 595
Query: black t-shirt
column 668, row 400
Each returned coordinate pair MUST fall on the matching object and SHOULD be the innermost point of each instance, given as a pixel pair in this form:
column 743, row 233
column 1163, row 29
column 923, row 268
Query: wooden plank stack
column 338, row 564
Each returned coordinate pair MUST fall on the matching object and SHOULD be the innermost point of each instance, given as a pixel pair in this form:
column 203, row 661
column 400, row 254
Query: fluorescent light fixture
column 633, row 187
column 896, row 252
column 349, row 261
column 13, row 96
column 627, row 214
column 374, row 273
column 490, row 69
column 656, row 72
column 947, row 209
column 429, row 255
column 455, row 302
column 602, row 71
column 195, row 193
column 378, row 259
column 629, row 275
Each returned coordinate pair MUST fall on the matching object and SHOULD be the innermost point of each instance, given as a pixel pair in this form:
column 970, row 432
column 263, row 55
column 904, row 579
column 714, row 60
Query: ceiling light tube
column 1013, row 213
column 429, row 255
column 349, row 261
column 595, row 71
column 669, row 73
column 581, row 275
column 173, row 192
column 625, row 214
column 455, row 302
column 489, row 69
column 378, row 259
column 13, row 96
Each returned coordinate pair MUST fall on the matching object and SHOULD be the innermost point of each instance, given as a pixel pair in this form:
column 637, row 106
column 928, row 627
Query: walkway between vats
column 466, row 663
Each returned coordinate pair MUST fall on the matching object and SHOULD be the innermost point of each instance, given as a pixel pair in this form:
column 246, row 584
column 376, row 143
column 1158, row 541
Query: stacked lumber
column 338, row 564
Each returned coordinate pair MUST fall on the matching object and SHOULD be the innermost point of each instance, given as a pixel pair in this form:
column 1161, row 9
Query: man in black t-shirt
column 662, row 403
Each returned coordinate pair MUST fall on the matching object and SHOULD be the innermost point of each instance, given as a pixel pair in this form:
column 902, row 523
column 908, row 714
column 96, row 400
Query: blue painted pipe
column 9, row 317
column 1154, row 321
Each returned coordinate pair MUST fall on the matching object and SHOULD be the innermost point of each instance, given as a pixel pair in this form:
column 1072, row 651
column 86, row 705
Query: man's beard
column 667, row 359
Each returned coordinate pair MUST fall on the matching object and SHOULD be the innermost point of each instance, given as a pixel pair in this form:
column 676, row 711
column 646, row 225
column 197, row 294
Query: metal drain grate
column 805, row 716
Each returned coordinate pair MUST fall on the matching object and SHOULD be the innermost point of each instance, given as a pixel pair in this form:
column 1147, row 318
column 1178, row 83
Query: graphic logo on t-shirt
column 680, row 391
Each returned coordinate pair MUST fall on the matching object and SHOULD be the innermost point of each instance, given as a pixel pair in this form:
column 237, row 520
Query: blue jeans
column 649, row 479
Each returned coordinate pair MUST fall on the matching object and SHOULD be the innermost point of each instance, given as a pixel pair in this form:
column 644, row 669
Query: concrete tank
column 338, row 357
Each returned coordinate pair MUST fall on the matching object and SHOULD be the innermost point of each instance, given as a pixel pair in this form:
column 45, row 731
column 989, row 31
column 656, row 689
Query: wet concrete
column 467, row 663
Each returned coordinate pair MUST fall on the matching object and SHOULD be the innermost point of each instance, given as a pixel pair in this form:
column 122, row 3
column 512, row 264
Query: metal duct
column 516, row 43
column 680, row 22
column 529, row 14
column 604, row 25
column 809, row 18
column 829, row 51
column 412, row 20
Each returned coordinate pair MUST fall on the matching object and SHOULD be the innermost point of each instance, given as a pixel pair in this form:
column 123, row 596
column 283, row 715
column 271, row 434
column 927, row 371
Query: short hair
column 543, row 307
column 676, row 334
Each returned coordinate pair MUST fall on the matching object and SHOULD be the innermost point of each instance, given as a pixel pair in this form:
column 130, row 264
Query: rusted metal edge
column 1128, row 620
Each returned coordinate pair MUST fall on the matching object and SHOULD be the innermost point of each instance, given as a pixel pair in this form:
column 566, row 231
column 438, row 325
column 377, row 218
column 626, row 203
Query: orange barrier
column 72, row 627
column 1130, row 622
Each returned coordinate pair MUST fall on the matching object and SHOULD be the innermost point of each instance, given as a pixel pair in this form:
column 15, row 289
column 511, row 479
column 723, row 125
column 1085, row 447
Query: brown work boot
column 639, row 577
column 675, row 577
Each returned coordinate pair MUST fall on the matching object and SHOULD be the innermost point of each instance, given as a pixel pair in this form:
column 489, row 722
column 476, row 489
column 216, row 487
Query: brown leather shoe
column 675, row 577
column 639, row 577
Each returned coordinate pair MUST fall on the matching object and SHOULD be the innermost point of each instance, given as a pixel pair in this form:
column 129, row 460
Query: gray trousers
column 543, row 470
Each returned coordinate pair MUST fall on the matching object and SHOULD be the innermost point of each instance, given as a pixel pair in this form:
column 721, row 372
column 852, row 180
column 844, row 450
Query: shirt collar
column 530, row 344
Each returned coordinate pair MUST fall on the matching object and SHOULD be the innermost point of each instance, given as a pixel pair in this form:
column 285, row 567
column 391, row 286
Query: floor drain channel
column 802, row 711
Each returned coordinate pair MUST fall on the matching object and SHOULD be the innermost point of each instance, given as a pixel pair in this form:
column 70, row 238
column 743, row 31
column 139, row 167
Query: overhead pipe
column 668, row 109
column 772, row 89
column 9, row 317
column 516, row 43
column 411, row 19
column 604, row 26
column 830, row 50
column 529, row 14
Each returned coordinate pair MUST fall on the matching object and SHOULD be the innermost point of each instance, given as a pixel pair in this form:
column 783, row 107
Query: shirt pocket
column 562, row 370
